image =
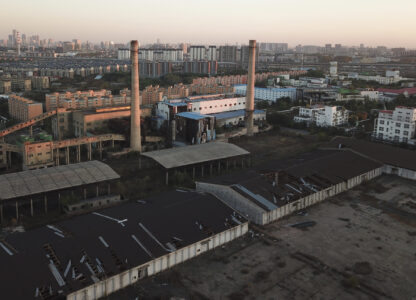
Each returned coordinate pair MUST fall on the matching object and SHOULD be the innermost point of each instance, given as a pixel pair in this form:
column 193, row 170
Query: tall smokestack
column 250, row 87
column 135, row 137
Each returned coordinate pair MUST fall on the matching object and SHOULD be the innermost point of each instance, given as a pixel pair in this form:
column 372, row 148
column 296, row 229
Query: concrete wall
column 129, row 277
column 234, row 200
column 405, row 173
column 262, row 217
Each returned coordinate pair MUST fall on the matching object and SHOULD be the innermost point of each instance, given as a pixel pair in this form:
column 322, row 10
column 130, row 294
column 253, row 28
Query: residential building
column 332, row 116
column 40, row 82
column 5, row 86
column 268, row 94
column 197, row 52
column 398, row 125
column 23, row 109
column 123, row 54
column 309, row 114
column 228, row 53
column 86, row 99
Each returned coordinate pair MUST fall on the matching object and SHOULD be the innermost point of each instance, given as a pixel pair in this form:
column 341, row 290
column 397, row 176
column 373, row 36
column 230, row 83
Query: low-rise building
column 23, row 109
column 397, row 125
column 332, row 116
column 268, row 94
column 207, row 104
column 323, row 116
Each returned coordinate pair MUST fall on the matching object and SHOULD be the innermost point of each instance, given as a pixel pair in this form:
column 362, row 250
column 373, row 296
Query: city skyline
column 297, row 22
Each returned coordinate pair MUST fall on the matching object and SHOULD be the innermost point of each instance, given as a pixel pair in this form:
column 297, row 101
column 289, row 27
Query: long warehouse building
column 93, row 255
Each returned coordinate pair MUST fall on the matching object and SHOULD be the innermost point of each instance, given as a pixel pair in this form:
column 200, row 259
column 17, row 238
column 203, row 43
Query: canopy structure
column 31, row 182
column 195, row 154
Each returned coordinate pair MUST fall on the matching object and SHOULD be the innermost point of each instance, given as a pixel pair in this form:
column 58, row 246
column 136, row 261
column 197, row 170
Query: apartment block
column 86, row 99
column 323, row 116
column 5, row 86
column 24, row 109
column 398, row 125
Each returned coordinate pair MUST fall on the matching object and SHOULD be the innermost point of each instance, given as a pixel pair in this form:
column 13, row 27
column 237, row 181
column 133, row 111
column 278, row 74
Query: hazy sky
column 350, row 22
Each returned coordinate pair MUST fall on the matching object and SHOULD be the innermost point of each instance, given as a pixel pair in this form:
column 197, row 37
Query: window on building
column 397, row 131
column 381, row 129
column 381, row 122
column 398, row 125
column 406, row 133
column 406, row 125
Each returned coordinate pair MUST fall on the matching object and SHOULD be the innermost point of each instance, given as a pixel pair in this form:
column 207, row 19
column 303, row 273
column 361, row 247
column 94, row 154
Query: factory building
column 395, row 160
column 93, row 255
column 208, row 104
column 273, row 193
column 268, row 94
column 236, row 117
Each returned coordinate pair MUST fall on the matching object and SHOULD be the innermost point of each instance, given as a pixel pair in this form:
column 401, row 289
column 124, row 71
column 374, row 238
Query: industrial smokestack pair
column 135, row 136
column 250, row 87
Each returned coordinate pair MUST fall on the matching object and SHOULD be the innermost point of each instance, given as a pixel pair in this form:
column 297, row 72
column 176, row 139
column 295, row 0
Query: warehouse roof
column 192, row 115
column 56, row 178
column 390, row 155
column 301, row 177
column 234, row 114
column 189, row 155
column 101, row 244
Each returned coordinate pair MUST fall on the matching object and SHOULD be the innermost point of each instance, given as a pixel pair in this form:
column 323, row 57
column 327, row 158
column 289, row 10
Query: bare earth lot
column 363, row 246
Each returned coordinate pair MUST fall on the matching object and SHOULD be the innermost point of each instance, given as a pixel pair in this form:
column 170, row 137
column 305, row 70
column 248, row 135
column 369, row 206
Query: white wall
column 263, row 217
column 129, row 277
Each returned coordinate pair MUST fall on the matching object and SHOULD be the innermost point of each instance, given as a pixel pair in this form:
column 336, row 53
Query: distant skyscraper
column 197, row 52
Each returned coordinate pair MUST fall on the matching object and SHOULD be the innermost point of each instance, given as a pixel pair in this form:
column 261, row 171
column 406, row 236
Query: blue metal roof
column 192, row 115
column 234, row 114
column 178, row 104
column 266, row 89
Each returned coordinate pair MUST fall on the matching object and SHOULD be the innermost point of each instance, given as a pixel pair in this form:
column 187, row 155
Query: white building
column 390, row 78
column 333, row 68
column 323, row 116
column 209, row 104
column 197, row 52
column 269, row 94
column 123, row 54
column 396, row 126
column 371, row 95
column 309, row 114
column 332, row 116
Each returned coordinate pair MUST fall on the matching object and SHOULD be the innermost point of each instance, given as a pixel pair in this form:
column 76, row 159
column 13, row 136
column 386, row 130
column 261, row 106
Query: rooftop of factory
column 282, row 182
column 194, row 154
column 69, row 255
column 234, row 114
column 31, row 182
column 192, row 115
column 387, row 154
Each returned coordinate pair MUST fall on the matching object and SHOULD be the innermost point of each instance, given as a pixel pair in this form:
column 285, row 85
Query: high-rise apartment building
column 197, row 52
column 228, row 53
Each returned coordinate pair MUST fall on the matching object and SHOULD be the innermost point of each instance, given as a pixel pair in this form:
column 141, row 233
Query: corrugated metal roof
column 56, row 178
column 189, row 155
column 192, row 115
column 234, row 114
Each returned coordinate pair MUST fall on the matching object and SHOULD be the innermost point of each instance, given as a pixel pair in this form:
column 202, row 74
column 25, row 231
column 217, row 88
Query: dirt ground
column 363, row 246
column 276, row 145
